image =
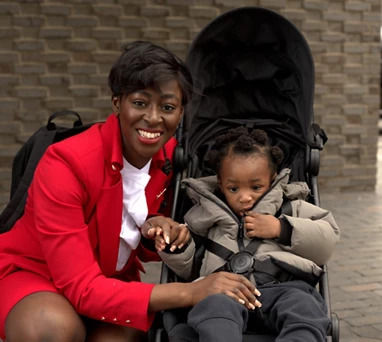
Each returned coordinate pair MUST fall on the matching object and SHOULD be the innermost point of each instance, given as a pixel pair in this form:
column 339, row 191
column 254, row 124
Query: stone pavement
column 355, row 270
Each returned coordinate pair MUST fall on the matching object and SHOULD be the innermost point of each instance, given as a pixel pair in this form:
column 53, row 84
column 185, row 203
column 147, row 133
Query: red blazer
column 69, row 232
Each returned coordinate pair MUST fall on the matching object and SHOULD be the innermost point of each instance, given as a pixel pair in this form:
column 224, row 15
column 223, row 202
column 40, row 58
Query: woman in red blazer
column 58, row 273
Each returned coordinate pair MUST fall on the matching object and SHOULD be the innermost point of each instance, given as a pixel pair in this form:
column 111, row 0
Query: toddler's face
column 243, row 180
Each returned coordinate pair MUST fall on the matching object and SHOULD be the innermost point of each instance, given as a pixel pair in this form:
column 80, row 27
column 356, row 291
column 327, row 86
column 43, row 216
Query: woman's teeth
column 149, row 135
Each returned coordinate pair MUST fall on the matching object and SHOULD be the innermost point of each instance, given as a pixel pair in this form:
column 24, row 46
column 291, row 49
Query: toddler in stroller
column 253, row 68
column 253, row 222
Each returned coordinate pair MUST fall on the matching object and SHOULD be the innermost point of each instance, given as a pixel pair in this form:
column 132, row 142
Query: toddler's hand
column 262, row 226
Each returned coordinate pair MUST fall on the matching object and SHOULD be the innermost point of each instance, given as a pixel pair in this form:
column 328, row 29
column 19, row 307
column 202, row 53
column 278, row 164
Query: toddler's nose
column 245, row 198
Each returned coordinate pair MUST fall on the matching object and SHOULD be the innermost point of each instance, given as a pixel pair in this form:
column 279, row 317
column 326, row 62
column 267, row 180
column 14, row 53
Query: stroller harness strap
column 244, row 261
column 225, row 253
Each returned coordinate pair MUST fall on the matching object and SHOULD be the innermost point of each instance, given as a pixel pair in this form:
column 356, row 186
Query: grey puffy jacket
column 314, row 230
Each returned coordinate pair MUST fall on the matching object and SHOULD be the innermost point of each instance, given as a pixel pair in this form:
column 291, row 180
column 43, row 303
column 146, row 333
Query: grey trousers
column 292, row 311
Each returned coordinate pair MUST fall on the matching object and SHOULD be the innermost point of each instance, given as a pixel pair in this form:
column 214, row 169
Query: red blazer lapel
column 109, row 215
column 109, row 203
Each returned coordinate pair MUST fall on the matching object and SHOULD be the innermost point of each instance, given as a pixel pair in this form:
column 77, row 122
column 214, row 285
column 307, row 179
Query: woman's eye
column 168, row 108
column 139, row 103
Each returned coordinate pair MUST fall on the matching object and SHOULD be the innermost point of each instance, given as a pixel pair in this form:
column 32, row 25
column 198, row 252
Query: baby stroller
column 251, row 67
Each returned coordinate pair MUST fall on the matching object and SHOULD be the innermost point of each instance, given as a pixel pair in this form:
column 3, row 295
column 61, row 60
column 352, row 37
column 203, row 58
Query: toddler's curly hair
column 241, row 141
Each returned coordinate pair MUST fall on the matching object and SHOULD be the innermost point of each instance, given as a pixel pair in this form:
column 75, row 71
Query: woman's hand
column 178, row 295
column 233, row 285
column 262, row 226
column 165, row 231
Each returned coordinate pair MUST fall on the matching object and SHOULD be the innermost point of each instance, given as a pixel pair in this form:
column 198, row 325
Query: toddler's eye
column 233, row 190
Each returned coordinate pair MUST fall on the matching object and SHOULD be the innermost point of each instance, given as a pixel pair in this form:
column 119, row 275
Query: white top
column 134, row 211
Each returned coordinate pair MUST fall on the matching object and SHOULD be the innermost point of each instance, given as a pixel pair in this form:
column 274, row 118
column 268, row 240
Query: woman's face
column 148, row 119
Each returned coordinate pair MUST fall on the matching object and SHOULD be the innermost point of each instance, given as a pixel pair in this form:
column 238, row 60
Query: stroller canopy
column 250, row 64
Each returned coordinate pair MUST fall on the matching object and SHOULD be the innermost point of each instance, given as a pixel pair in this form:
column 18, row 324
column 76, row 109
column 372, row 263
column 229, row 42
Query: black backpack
column 26, row 160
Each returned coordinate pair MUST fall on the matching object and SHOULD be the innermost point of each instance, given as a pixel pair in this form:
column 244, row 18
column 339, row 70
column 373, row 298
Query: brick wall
column 57, row 54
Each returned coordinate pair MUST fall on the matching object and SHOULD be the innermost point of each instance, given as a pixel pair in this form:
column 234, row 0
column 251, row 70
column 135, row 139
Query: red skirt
column 15, row 287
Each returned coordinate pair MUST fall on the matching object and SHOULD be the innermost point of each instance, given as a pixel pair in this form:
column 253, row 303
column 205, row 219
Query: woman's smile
column 149, row 137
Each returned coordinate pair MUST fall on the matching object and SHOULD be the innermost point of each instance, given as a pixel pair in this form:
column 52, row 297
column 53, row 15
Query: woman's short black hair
column 142, row 65
column 241, row 141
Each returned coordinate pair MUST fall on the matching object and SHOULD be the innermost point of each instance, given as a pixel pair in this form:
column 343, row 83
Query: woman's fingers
column 172, row 232
column 246, row 293
column 242, row 300
column 159, row 244
column 244, row 290
column 164, row 223
column 150, row 231
column 257, row 293
column 166, row 231
column 166, row 228
column 233, row 285
column 241, row 294
column 155, row 231
column 180, row 236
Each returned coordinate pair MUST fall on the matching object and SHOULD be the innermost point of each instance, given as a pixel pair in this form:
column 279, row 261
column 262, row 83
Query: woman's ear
column 115, row 104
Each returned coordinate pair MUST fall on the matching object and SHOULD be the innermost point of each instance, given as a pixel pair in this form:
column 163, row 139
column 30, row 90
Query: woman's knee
column 44, row 316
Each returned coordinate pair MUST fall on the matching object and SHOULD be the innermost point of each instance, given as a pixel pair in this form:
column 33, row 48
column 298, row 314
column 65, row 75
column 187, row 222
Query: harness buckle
column 241, row 263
